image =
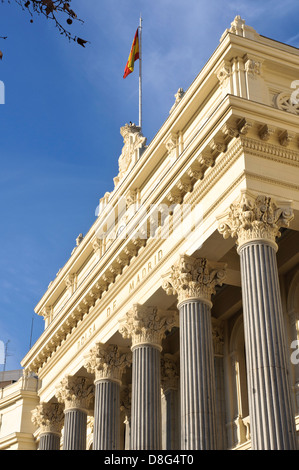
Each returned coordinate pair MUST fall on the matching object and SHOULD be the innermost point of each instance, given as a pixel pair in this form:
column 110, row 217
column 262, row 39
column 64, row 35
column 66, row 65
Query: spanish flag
column 134, row 55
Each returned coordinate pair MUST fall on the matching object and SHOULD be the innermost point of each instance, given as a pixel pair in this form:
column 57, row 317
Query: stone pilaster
column 255, row 222
column 125, row 407
column 49, row 417
column 108, row 363
column 146, row 326
column 77, row 394
column 194, row 281
column 170, row 387
column 218, row 343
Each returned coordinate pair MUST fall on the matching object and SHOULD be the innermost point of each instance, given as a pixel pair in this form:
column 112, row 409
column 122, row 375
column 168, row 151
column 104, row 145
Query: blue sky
column 64, row 106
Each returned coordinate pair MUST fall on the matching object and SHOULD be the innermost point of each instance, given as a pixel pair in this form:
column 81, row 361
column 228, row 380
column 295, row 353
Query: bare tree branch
column 55, row 10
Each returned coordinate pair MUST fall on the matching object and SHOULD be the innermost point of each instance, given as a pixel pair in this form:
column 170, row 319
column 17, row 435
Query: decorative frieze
column 106, row 361
column 193, row 278
column 147, row 325
column 255, row 217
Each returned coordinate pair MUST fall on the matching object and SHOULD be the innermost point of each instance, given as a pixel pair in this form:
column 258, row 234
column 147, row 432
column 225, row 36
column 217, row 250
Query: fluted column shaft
column 108, row 363
column 146, row 326
column 106, row 415
column 194, row 280
column 146, row 399
column 75, row 423
column 49, row 441
column 76, row 393
column 271, row 415
column 197, row 377
column 255, row 220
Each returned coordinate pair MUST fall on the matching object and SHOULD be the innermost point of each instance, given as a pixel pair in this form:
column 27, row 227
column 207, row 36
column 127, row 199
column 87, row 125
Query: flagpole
column 140, row 73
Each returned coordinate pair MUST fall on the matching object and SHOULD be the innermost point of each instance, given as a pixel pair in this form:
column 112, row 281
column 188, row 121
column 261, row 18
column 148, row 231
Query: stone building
column 175, row 322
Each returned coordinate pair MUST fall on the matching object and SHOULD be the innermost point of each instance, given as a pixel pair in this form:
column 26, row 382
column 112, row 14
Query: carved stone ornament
column 253, row 67
column 107, row 362
column 178, row 96
column 48, row 417
column 169, row 372
column 284, row 102
column 75, row 392
column 193, row 278
column 147, row 325
column 133, row 141
column 218, row 337
column 255, row 218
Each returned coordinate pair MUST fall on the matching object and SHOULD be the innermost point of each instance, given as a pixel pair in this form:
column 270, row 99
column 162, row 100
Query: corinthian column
column 76, row 393
column 255, row 222
column 108, row 365
column 194, row 281
column 146, row 326
column 49, row 418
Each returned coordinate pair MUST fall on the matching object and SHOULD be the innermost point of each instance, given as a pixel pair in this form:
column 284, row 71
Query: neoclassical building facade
column 175, row 322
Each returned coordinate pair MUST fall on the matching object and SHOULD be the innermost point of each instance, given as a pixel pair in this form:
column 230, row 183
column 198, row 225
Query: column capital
column 193, row 278
column 255, row 218
column 75, row 392
column 48, row 417
column 106, row 361
column 147, row 325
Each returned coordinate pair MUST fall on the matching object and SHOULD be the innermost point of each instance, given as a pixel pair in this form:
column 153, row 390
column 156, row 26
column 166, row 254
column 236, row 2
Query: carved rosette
column 193, row 278
column 147, row 325
column 107, row 362
column 255, row 218
column 75, row 392
column 48, row 417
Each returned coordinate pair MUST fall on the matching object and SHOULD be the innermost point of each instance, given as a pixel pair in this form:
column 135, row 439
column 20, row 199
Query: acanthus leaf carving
column 255, row 218
column 107, row 361
column 193, row 278
column 147, row 325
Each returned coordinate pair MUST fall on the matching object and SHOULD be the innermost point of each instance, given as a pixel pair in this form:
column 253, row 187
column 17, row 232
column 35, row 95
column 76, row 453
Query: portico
column 172, row 322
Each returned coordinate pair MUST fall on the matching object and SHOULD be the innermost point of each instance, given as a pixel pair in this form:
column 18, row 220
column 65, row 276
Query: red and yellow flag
column 134, row 55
